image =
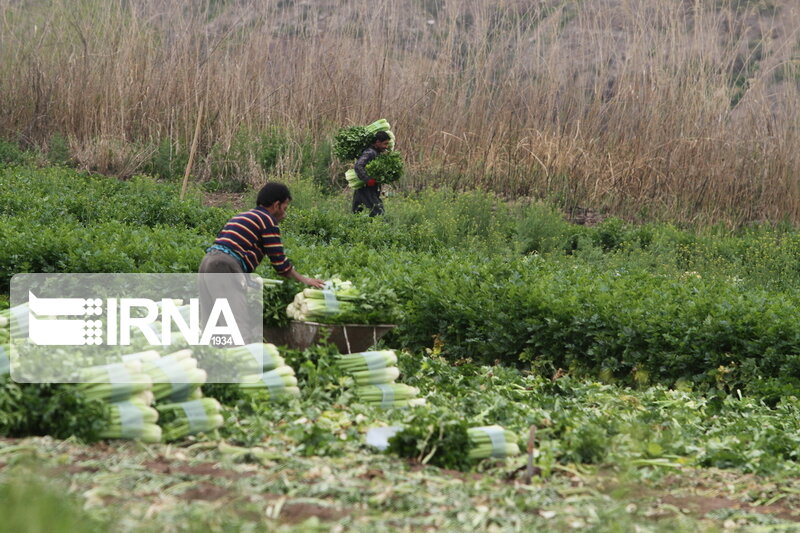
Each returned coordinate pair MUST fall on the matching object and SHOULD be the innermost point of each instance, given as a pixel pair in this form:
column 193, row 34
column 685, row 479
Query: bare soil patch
column 294, row 513
column 202, row 469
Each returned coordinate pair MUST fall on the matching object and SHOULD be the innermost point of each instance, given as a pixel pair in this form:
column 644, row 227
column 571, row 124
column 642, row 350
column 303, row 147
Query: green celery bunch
column 176, row 376
column 262, row 357
column 5, row 363
column 98, row 382
column 311, row 310
column 133, row 419
column 374, row 374
column 345, row 291
column 376, row 377
column 387, row 167
column 344, row 304
column 14, row 320
column 395, row 391
column 433, row 436
column 362, row 361
column 442, row 438
column 277, row 383
column 349, row 142
column 482, row 445
column 181, row 419
column 353, row 181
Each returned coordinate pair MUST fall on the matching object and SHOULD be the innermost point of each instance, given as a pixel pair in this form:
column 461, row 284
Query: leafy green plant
column 350, row 142
column 58, row 152
column 10, row 154
column 433, row 437
column 318, row 164
column 543, row 230
column 168, row 161
column 270, row 147
column 387, row 167
column 59, row 410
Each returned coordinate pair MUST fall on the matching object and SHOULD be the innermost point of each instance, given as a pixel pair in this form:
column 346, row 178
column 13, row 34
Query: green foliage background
column 488, row 280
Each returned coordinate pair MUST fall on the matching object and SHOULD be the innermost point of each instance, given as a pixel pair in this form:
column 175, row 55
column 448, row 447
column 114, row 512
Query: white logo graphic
column 121, row 319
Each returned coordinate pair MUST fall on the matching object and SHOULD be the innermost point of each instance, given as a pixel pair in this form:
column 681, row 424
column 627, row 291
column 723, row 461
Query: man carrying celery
column 369, row 196
column 240, row 247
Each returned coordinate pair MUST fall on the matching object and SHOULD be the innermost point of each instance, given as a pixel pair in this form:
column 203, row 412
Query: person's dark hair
column 273, row 192
column 382, row 136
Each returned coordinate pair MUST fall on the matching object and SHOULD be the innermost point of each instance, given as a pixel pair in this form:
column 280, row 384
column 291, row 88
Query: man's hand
column 313, row 282
column 371, row 182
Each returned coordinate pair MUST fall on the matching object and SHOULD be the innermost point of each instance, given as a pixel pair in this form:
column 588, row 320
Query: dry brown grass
column 674, row 108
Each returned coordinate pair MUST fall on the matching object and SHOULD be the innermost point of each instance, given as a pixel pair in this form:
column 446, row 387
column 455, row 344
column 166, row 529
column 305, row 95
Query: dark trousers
column 368, row 198
column 232, row 286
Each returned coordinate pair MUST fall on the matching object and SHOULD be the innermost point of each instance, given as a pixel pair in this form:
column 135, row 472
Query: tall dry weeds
column 669, row 108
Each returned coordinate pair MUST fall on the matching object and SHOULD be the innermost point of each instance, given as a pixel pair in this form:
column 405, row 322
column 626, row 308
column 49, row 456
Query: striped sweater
column 253, row 235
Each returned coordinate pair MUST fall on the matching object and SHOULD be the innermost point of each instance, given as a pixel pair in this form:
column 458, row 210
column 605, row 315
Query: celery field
column 657, row 367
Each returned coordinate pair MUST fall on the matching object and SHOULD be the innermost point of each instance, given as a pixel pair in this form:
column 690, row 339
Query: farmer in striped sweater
column 240, row 247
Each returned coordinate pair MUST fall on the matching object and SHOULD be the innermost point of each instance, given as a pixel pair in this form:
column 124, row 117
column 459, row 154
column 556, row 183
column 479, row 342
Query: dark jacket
column 361, row 164
column 367, row 197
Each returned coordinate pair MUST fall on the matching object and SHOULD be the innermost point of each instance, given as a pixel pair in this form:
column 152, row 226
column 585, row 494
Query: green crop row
column 636, row 304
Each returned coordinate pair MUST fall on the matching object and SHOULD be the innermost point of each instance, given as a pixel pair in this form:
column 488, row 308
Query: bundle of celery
column 128, row 389
column 315, row 305
column 175, row 377
column 386, row 168
column 268, row 378
column 188, row 418
column 353, row 181
column 226, row 365
column 5, row 364
column 5, row 338
column 390, row 395
column 342, row 303
column 371, row 368
column 491, row 441
column 116, row 382
column 374, row 374
column 107, row 401
column 14, row 320
column 348, row 143
column 435, row 436
column 443, row 438
column 260, row 357
column 277, row 383
column 132, row 419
